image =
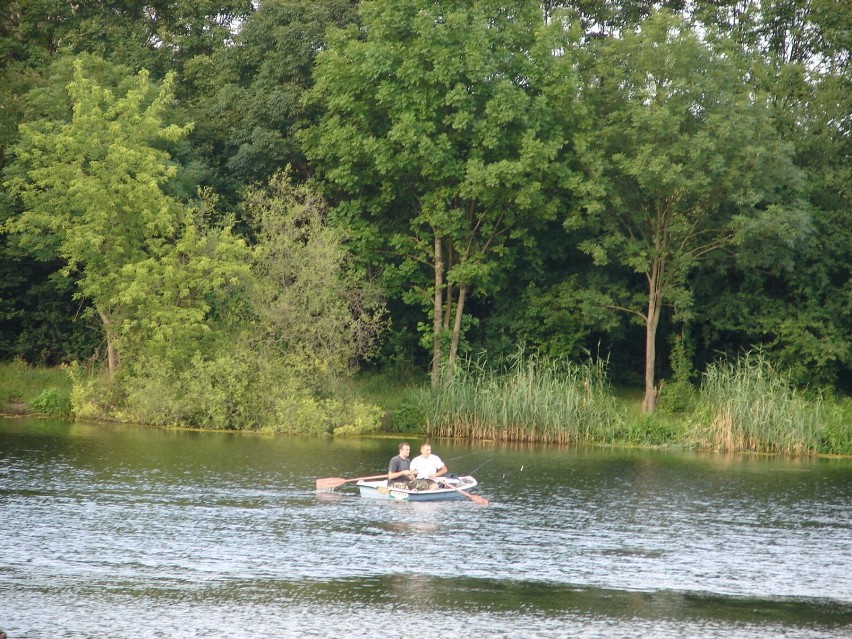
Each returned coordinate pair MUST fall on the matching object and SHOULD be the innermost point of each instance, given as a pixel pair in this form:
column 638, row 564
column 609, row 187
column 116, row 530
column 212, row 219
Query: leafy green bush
column 836, row 439
column 360, row 419
column 217, row 391
column 836, row 432
column 409, row 417
column 51, row 401
column 88, row 394
column 676, row 397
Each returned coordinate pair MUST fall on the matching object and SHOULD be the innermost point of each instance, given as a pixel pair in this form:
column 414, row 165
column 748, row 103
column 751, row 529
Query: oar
column 476, row 499
column 328, row 484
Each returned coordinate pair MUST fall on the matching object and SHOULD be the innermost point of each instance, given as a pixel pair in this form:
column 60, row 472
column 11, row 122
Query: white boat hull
column 379, row 490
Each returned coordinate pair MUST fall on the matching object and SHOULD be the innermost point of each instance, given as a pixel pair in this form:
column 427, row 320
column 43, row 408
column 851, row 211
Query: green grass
column 399, row 397
column 745, row 405
column 836, row 427
column 34, row 390
column 533, row 399
column 748, row 405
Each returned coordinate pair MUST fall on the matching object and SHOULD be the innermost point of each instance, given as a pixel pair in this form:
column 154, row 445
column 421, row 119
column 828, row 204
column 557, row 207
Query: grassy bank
column 745, row 405
column 530, row 400
column 748, row 405
column 75, row 392
column 31, row 390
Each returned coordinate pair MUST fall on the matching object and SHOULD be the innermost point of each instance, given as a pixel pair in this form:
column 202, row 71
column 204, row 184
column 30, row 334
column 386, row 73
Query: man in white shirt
column 428, row 467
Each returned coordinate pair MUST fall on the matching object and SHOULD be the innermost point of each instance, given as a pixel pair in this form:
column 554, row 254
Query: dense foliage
column 650, row 184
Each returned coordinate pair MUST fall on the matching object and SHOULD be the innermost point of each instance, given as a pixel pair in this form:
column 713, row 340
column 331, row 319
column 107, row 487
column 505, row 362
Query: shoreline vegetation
column 740, row 406
column 216, row 230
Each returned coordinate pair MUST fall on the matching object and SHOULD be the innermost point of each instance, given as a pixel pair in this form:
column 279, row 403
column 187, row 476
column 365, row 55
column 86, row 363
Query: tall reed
column 530, row 399
column 748, row 405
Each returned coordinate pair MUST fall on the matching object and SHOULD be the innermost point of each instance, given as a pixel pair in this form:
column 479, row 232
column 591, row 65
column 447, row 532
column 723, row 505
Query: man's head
column 426, row 450
column 404, row 450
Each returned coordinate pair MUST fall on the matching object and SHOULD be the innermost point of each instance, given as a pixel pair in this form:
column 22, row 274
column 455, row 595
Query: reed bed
column 530, row 400
column 748, row 405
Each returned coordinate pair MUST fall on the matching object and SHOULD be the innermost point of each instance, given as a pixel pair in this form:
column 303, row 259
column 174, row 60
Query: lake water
column 119, row 532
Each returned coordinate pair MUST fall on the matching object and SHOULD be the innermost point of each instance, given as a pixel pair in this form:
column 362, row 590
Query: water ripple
column 109, row 527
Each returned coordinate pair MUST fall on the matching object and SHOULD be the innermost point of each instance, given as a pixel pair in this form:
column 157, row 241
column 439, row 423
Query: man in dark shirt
column 399, row 469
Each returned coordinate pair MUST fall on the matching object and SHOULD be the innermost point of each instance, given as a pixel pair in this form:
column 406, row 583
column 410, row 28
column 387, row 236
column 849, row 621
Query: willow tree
column 447, row 130
column 685, row 155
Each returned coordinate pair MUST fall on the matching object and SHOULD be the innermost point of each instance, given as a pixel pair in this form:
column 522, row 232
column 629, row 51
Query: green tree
column 40, row 322
column 447, row 129
column 793, row 299
column 280, row 341
column 810, row 32
column 155, row 34
column 272, row 63
column 685, row 155
column 91, row 190
column 312, row 304
column 610, row 17
column 247, row 98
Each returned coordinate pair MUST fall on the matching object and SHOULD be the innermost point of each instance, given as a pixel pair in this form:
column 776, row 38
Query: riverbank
column 744, row 406
column 730, row 412
column 31, row 390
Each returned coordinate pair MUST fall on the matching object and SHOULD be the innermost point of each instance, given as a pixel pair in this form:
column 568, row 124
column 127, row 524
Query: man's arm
column 394, row 471
column 440, row 466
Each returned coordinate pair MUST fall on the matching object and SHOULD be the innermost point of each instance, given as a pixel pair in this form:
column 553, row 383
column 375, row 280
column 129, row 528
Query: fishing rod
column 487, row 461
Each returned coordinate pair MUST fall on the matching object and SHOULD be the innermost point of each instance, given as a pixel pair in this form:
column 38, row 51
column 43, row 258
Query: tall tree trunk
column 448, row 265
column 448, row 306
column 454, row 346
column 436, row 322
column 112, row 357
column 652, row 320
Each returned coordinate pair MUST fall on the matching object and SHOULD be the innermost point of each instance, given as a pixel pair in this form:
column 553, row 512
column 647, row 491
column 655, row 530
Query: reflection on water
column 419, row 527
column 214, row 535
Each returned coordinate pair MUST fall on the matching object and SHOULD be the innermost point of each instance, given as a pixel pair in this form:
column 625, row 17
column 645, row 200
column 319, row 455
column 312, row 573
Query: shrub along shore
column 741, row 406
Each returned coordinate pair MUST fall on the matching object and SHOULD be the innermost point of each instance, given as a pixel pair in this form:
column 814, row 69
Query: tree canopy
column 92, row 194
column 493, row 173
column 685, row 157
column 448, row 131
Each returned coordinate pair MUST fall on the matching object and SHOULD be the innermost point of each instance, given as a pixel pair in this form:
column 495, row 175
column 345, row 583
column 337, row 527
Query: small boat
column 379, row 490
